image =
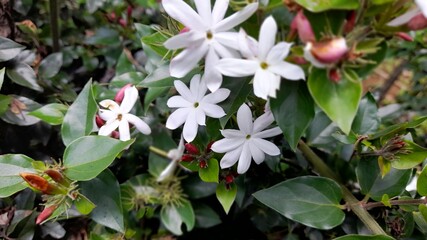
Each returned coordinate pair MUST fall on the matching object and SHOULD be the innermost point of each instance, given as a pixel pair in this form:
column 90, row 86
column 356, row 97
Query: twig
column 54, row 16
column 395, row 202
column 390, row 81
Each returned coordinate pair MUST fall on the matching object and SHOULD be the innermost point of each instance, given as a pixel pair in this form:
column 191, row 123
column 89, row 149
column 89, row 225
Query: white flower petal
column 233, row 133
column 200, row 116
column 268, row 133
column 237, row 18
column 213, row 111
column 178, row 102
column 124, row 130
column 168, row 171
column 177, row 118
column 288, row 71
column 223, row 51
column 308, row 56
column 264, row 83
column 422, row 5
column 219, row 10
column 266, row 146
column 217, row 96
column 244, row 45
column 237, row 67
column 183, row 90
column 183, row 13
column 197, row 87
column 244, row 119
column 131, row 95
column 267, row 37
column 278, row 52
column 190, row 127
column 228, row 39
column 186, row 60
column 227, row 145
column 109, row 127
column 230, row 158
column 404, row 18
column 212, row 77
column 110, row 104
column 107, row 114
column 245, row 159
column 256, row 153
column 138, row 123
column 204, row 10
column 263, row 121
column 184, row 40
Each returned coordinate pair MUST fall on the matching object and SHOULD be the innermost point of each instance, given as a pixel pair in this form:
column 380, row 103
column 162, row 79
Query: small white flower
column 264, row 60
column 208, row 36
column 118, row 116
column 247, row 143
column 421, row 8
column 193, row 106
column 175, row 156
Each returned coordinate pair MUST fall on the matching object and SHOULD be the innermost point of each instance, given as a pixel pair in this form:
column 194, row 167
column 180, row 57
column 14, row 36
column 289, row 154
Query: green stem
column 54, row 16
column 396, row 202
column 159, row 151
column 353, row 203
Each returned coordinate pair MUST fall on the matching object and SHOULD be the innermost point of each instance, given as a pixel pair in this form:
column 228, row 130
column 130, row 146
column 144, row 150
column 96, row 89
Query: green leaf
column 369, row 176
column 151, row 95
column 421, row 221
column 380, row 2
column 125, row 78
column 366, row 121
column 5, row 100
column 104, row 36
column 323, row 5
column 293, row 110
column 397, row 129
column 312, row 201
column 104, row 192
column 161, row 140
column 24, row 75
column 84, row 205
column 51, row 113
column 197, row 189
column 10, row 167
column 9, row 49
column 50, row 65
column 338, row 100
column 155, row 42
column 88, row 156
column 173, row 216
column 17, row 112
column 326, row 23
column 79, row 119
column 211, row 172
column 205, row 216
column 416, row 155
column 364, row 237
column 226, row 193
column 422, row 182
column 2, row 71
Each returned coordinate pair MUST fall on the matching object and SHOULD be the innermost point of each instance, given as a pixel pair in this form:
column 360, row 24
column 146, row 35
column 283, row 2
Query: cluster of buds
column 229, row 177
column 193, row 154
column 393, row 147
column 112, row 18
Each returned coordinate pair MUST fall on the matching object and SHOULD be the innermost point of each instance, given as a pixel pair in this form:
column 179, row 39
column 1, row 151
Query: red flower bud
column 45, row 214
column 329, row 51
column 121, row 93
column 192, row 149
column 57, row 177
column 111, row 17
column 209, row 146
column 203, row 164
column 334, row 75
column 39, row 183
column 187, row 158
column 229, row 179
column 404, row 36
column 99, row 121
column 350, row 22
column 129, row 12
column 418, row 22
column 123, row 22
column 303, row 26
column 115, row 134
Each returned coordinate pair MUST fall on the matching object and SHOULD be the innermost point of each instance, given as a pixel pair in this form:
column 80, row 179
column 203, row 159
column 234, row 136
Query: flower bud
column 209, row 146
column 123, row 22
column 187, row 158
column 303, row 26
column 203, row 164
column 192, row 149
column 115, row 134
column 404, row 36
column 57, row 177
column 334, row 75
column 184, row 30
column 99, row 121
column 350, row 22
column 326, row 52
column 418, row 22
column 229, row 179
column 45, row 214
column 121, row 93
column 39, row 183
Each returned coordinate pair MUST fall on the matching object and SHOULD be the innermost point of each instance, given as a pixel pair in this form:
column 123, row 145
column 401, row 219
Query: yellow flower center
column 264, row 65
column 196, row 104
column 209, row 35
column 119, row 117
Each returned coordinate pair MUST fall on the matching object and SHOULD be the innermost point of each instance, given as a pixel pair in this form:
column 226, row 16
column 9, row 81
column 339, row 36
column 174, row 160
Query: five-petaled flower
column 247, row 143
column 414, row 19
column 118, row 116
column 264, row 60
column 193, row 106
column 208, row 36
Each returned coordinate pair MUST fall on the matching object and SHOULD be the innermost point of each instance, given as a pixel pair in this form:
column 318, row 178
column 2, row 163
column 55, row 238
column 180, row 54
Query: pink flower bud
column 123, row 22
column 350, row 22
column 305, row 31
column 404, row 36
column 45, row 214
column 418, row 22
column 115, row 134
column 99, row 121
column 191, row 148
column 184, row 30
column 121, row 93
column 329, row 51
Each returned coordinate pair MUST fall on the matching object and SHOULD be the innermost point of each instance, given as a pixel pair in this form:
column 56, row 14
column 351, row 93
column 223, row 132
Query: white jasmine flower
column 118, row 116
column 421, row 8
column 193, row 106
column 208, row 36
column 264, row 60
column 175, row 156
column 247, row 143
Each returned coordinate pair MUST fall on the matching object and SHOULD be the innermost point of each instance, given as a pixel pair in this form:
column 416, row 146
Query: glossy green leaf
column 338, row 100
column 2, row 71
column 206, row 217
column 415, row 156
column 197, row 189
column 155, row 42
column 10, row 167
column 293, row 110
column 50, row 65
column 211, row 172
column 151, row 95
column 18, row 111
column 23, row 75
column 173, row 216
column 312, row 201
column 84, row 205
column 397, row 129
column 88, row 156
column 226, row 193
column 369, row 176
column 323, row 5
column 367, row 120
column 422, row 182
column 4, row 103
column 51, row 113
column 9, row 49
column 104, row 192
column 421, row 221
column 130, row 77
column 364, row 237
column 79, row 119
column 104, row 36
